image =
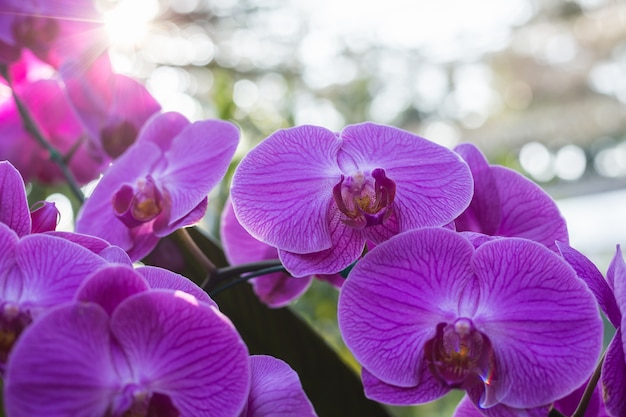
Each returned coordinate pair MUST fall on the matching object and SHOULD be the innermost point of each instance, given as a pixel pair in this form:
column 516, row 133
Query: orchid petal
column 394, row 298
column 347, row 246
column 111, row 285
column 61, row 365
column 14, row 209
column 468, row 407
column 614, row 377
column 203, row 144
column 10, row 284
column 163, row 278
column 428, row 389
column 53, row 268
column 161, row 130
column 92, row 243
column 588, row 272
column 115, row 255
column 434, row 185
column 616, row 276
column 187, row 349
column 44, row 217
column 527, row 210
column 282, row 189
column 275, row 390
column 484, row 213
column 540, row 318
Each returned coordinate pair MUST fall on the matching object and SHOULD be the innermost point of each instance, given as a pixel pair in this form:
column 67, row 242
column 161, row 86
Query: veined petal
column 10, row 284
column 53, row 268
column 617, row 273
column 283, row 187
column 542, row 321
column 111, row 285
column 166, row 279
column 527, row 210
column 14, row 209
column 197, row 161
column 393, row 299
column 468, row 408
column 347, row 246
column 434, row 185
column 427, row 390
column 614, row 376
column 275, row 390
column 61, row 365
column 184, row 349
column 94, row 244
column 588, row 272
column 484, row 213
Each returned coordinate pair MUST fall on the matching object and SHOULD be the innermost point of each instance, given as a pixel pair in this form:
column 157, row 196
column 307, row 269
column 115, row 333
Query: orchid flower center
column 13, row 321
column 459, row 355
column 146, row 404
column 35, row 32
column 140, row 204
column 365, row 199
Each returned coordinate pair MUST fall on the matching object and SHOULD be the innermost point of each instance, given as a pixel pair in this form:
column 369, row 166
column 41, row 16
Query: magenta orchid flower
column 123, row 348
column 37, row 272
column 52, row 30
column 318, row 196
column 160, row 183
column 505, row 203
column 55, row 118
column 508, row 322
column 275, row 390
column 113, row 107
column 611, row 296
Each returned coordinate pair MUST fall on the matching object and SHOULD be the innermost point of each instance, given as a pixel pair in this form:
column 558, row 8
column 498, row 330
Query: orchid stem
column 206, row 264
column 591, row 386
column 31, row 127
column 270, row 270
column 222, row 274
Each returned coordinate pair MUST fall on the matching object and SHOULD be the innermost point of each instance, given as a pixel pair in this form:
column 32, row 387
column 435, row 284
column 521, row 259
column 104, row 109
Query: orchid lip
column 460, row 355
column 365, row 204
column 140, row 204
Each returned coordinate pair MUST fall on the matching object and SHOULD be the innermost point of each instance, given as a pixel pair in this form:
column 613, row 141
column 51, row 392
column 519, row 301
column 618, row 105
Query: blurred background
column 538, row 85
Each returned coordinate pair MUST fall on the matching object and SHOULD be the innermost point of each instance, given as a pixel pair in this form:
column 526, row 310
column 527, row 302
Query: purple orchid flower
column 52, row 30
column 509, row 322
column 505, row 203
column 112, row 107
column 160, row 183
column 275, row 390
column 37, row 272
column 611, row 296
column 318, row 196
column 123, row 348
